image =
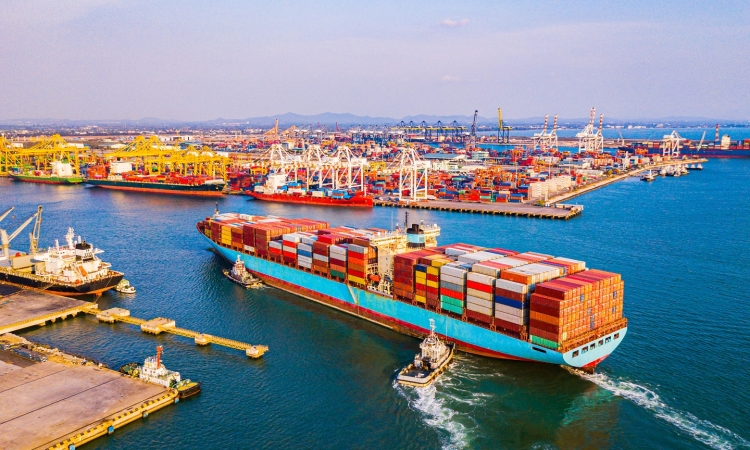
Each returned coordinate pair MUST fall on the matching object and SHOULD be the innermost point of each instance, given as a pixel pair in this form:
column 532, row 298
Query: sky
column 192, row 61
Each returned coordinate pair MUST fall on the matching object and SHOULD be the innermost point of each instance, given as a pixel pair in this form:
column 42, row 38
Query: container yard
column 489, row 301
column 439, row 169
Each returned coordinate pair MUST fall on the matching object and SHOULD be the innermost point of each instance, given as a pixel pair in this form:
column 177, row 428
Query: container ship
column 278, row 190
column 122, row 178
column 60, row 173
column 69, row 270
column 487, row 301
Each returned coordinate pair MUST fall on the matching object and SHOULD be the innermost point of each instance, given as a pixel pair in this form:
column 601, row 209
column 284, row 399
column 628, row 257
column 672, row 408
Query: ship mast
column 159, row 351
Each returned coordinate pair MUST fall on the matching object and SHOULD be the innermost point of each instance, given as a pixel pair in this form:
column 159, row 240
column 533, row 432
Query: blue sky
column 186, row 60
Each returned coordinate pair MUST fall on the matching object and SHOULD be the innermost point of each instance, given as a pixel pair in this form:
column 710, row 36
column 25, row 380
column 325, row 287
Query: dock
column 21, row 308
column 163, row 325
column 62, row 405
column 560, row 212
column 613, row 179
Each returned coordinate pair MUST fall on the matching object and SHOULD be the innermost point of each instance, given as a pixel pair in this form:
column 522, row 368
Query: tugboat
column 69, row 270
column 431, row 362
column 153, row 371
column 124, row 287
column 648, row 176
column 241, row 276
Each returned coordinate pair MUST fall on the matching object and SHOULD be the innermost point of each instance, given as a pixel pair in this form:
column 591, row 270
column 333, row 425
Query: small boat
column 431, row 362
column 241, row 276
column 648, row 176
column 698, row 166
column 684, row 170
column 153, row 371
column 663, row 172
column 124, row 287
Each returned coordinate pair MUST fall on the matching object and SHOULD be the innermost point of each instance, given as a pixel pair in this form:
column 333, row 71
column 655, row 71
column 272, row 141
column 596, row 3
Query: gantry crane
column 5, row 238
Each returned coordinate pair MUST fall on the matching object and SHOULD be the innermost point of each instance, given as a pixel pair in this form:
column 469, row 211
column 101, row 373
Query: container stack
column 337, row 260
column 453, row 287
column 320, row 256
column 289, row 247
column 511, row 305
column 236, row 235
column 403, row 273
column 479, row 296
column 568, row 308
column 420, row 283
column 358, row 258
column 305, row 252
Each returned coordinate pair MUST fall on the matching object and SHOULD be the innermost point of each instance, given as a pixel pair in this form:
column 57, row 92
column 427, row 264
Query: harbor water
column 679, row 380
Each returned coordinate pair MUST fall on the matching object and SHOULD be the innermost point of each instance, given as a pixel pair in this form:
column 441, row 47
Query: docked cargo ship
column 70, row 270
column 487, row 301
column 278, row 190
column 60, row 173
column 121, row 178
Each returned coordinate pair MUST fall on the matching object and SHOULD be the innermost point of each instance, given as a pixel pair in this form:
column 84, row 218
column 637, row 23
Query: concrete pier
column 503, row 209
column 54, row 405
column 21, row 308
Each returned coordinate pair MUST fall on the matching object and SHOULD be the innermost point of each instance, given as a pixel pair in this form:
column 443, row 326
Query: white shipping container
column 292, row 237
column 511, row 310
column 513, row 262
column 275, row 244
column 249, row 249
column 286, row 248
column 493, row 272
column 306, row 259
column 453, row 280
column 509, row 318
column 309, row 240
column 306, row 265
column 453, row 271
column 479, row 301
column 338, row 250
column 455, row 252
column 320, row 257
column 480, row 278
column 512, row 286
column 479, row 294
column 305, row 247
column 357, row 248
column 479, row 309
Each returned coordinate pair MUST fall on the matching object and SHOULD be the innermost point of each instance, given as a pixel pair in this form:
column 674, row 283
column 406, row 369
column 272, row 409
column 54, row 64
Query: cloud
column 454, row 23
column 450, row 78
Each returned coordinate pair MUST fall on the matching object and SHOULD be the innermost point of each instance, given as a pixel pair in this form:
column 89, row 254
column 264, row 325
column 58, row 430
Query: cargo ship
column 487, row 301
column 122, row 178
column 69, row 270
column 60, row 173
column 278, row 190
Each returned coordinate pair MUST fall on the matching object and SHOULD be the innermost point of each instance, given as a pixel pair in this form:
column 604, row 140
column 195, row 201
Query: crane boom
column 5, row 238
column 5, row 214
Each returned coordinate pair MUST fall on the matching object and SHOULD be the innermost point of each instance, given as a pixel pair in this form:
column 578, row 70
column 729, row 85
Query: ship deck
column 50, row 404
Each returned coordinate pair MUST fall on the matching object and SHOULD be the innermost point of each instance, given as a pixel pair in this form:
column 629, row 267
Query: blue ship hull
column 413, row 320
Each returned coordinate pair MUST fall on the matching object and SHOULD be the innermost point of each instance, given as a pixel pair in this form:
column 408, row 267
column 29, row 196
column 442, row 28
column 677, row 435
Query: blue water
column 679, row 380
column 648, row 134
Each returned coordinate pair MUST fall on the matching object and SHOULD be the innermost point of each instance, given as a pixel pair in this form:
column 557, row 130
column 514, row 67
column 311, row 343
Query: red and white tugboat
column 241, row 276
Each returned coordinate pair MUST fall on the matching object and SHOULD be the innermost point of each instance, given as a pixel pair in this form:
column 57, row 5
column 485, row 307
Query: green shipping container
column 337, row 274
column 452, row 301
column 544, row 342
column 451, row 308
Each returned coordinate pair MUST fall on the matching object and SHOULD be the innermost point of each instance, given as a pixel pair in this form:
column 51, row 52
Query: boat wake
column 449, row 403
column 706, row 432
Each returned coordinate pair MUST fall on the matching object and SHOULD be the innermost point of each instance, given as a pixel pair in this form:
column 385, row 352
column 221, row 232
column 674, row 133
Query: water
column 679, row 380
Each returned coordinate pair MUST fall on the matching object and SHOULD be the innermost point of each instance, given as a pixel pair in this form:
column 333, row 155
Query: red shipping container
column 433, row 290
column 510, row 326
column 479, row 286
column 478, row 316
column 355, row 273
column 451, row 293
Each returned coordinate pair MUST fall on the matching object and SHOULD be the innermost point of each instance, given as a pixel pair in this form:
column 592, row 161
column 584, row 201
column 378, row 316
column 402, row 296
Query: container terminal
column 343, row 168
column 492, row 302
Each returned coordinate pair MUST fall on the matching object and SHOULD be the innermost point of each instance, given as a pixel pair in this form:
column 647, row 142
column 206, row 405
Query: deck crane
column 697, row 148
column 5, row 214
column 588, row 140
column 34, row 236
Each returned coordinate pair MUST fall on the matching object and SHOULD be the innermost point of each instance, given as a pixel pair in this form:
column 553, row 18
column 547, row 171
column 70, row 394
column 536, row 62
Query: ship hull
column 717, row 153
column 410, row 319
column 47, row 180
column 64, row 289
column 202, row 190
column 354, row 202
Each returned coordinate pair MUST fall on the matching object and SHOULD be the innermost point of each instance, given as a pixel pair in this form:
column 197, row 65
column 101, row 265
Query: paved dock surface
column 505, row 209
column 24, row 308
column 42, row 404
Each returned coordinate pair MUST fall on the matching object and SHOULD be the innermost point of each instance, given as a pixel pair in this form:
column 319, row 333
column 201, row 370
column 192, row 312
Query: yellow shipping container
column 420, row 276
column 433, row 284
column 420, row 299
column 357, row 280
